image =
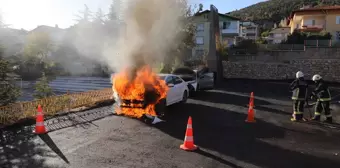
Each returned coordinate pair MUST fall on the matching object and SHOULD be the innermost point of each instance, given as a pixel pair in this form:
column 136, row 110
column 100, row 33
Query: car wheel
column 185, row 97
column 161, row 109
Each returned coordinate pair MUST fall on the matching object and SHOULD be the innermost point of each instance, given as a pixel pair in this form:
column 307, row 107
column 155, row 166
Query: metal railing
column 281, row 47
column 319, row 43
column 52, row 105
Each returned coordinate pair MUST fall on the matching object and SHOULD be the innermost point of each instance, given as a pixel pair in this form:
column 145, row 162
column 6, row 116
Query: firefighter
column 323, row 96
column 299, row 88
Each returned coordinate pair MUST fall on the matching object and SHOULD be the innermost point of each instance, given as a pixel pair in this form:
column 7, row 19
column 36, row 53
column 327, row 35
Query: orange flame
column 135, row 89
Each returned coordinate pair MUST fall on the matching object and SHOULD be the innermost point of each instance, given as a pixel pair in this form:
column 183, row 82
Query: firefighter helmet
column 316, row 77
column 299, row 74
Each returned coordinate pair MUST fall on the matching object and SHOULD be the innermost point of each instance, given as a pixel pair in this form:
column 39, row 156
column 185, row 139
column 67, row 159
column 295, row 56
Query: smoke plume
column 150, row 29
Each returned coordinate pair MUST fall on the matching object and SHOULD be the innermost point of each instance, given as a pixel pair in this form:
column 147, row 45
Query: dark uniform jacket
column 299, row 87
column 321, row 91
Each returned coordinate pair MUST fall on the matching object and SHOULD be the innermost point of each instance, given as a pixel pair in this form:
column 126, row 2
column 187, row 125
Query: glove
column 312, row 97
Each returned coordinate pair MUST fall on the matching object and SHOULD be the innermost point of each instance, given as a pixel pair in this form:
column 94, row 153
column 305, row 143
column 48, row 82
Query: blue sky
column 28, row 14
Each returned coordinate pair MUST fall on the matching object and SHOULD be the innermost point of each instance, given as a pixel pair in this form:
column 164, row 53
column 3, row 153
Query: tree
column 265, row 33
column 9, row 92
column 187, row 32
column 39, row 45
column 99, row 17
column 85, row 15
column 42, row 89
column 38, row 48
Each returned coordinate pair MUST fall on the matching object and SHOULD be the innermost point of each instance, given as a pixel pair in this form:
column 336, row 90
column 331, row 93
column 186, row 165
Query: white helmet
column 316, row 77
column 299, row 74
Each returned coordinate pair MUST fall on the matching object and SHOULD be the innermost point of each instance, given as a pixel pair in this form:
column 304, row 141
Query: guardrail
column 15, row 112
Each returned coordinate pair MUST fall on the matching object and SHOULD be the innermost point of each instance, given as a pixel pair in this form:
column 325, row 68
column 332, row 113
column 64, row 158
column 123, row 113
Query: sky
column 28, row 14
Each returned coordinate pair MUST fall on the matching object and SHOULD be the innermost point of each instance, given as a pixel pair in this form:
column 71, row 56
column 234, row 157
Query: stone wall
column 329, row 69
column 280, row 56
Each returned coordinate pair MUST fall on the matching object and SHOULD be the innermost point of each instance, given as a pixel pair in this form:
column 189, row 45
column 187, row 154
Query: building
column 56, row 34
column 229, row 26
column 12, row 40
column 249, row 30
column 315, row 20
column 278, row 35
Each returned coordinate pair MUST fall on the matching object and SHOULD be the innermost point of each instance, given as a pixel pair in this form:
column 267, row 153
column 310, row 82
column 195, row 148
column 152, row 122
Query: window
column 297, row 26
column 337, row 35
column 225, row 25
column 337, row 19
column 199, row 53
column 278, row 35
column 169, row 80
column 200, row 27
column 199, row 40
column 313, row 22
column 177, row 80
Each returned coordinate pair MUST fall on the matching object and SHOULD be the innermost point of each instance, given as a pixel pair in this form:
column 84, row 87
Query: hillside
column 275, row 10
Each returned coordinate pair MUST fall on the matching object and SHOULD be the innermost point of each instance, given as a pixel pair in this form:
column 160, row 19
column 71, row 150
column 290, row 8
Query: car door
column 179, row 88
column 206, row 80
column 170, row 96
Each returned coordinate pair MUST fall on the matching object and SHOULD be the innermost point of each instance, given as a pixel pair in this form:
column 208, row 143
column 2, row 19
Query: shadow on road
column 49, row 142
column 17, row 148
column 226, row 132
column 219, row 159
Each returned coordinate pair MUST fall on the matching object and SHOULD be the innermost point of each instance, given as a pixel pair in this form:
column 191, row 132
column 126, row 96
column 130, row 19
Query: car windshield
column 162, row 77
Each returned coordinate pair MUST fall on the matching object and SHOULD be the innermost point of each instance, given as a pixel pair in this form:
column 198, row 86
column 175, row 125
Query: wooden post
column 70, row 101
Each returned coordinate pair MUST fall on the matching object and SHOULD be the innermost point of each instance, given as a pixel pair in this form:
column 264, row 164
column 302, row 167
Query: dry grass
column 52, row 105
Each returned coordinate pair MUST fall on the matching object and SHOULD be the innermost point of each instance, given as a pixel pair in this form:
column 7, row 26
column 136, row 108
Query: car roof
column 164, row 74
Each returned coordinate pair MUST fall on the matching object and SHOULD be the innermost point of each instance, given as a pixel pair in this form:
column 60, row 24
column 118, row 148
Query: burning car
column 146, row 95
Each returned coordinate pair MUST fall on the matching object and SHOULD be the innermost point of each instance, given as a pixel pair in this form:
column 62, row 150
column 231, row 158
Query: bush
column 8, row 92
column 300, row 37
column 42, row 89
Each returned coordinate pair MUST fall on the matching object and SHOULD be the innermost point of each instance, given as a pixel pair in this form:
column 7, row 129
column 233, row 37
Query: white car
column 178, row 93
column 178, row 89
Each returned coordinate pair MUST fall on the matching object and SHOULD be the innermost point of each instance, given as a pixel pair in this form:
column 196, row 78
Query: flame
column 136, row 87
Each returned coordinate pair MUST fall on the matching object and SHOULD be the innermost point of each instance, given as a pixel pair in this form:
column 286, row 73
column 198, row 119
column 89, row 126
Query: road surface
column 100, row 139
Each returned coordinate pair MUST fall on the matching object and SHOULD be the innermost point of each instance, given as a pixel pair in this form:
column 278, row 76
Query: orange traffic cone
column 39, row 126
column 188, row 144
column 251, row 113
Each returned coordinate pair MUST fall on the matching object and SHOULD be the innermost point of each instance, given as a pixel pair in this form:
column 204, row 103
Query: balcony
column 311, row 28
column 229, row 31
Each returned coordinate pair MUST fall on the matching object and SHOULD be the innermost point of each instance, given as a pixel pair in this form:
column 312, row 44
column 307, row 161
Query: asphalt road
column 98, row 139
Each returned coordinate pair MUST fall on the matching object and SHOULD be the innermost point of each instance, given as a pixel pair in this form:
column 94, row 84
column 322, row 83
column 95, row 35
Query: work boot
column 316, row 118
column 296, row 117
column 329, row 120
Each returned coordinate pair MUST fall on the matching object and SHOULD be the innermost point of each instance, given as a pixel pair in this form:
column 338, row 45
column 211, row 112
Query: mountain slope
column 275, row 10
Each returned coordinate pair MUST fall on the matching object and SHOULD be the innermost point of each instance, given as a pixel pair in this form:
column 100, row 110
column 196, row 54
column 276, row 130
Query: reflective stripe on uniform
column 317, row 113
column 324, row 99
column 189, row 139
column 295, row 112
column 294, row 98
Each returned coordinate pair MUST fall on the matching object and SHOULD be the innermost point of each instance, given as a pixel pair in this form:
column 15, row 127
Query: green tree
column 9, row 92
column 36, row 54
column 85, row 15
column 187, row 32
column 265, row 33
column 42, row 89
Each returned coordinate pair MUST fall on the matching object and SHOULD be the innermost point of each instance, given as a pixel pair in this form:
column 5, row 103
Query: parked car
column 196, row 80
